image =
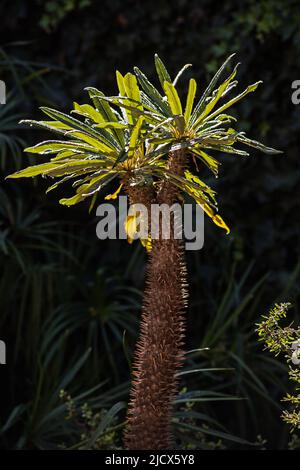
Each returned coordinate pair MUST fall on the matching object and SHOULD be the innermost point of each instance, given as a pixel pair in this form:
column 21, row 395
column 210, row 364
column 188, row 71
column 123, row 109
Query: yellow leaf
column 211, row 104
column 115, row 194
column 230, row 103
column 131, row 88
column 217, row 219
column 120, row 82
column 190, row 99
column 147, row 243
column 130, row 226
column 173, row 98
column 88, row 111
column 92, row 141
column 134, row 136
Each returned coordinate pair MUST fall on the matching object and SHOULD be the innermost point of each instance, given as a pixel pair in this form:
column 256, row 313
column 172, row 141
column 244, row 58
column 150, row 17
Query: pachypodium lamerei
column 146, row 140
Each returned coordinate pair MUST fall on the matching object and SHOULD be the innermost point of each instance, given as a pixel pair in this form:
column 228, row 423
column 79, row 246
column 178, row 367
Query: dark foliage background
column 67, row 298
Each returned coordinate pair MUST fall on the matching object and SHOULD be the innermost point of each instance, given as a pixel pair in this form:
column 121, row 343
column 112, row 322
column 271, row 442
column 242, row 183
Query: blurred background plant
column 284, row 340
column 70, row 303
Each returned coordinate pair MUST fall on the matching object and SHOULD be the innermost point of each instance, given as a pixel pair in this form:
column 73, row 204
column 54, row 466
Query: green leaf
column 102, row 106
column 201, row 103
column 152, row 93
column 105, row 110
column 186, row 66
column 71, row 201
column 76, row 167
column 134, row 136
column 190, row 99
column 105, row 423
column 151, row 117
column 214, row 432
column 214, row 100
column 161, row 70
column 111, row 125
column 57, row 169
column 63, row 180
column 258, row 145
column 209, row 161
column 54, row 146
column 226, row 149
column 120, row 83
column 131, row 89
column 33, row 170
column 249, row 89
column 97, row 144
column 65, row 154
column 95, row 184
column 128, row 114
column 101, row 135
column 72, row 122
column 53, row 126
column 88, row 111
column 173, row 98
column 149, row 105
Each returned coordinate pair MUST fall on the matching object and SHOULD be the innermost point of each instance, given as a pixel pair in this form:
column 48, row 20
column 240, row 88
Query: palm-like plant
column 146, row 143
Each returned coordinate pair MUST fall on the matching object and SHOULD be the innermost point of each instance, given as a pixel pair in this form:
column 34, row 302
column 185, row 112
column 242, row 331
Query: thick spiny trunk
column 159, row 353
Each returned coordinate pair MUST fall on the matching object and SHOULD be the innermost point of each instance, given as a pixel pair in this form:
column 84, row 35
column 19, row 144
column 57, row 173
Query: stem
column 159, row 352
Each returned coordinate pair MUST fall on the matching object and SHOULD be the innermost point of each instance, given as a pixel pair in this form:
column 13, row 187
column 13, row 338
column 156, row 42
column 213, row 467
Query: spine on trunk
column 159, row 352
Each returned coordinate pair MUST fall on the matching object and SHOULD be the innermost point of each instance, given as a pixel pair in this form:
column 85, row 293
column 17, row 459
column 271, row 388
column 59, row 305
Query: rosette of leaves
column 195, row 127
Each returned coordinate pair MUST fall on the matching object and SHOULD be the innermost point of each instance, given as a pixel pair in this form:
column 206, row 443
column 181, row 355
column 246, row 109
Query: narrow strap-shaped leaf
column 127, row 113
column 91, row 113
column 120, row 101
column 150, row 105
column 181, row 71
column 258, row 145
column 152, row 92
column 190, row 100
column 209, row 161
column 111, row 125
column 53, row 126
column 54, row 146
column 226, row 149
column 105, row 110
column 230, row 103
column 132, row 90
column 201, row 103
column 95, row 185
column 214, row 100
column 72, row 122
column 88, row 111
column 161, row 70
column 45, row 168
column 74, row 167
column 173, row 98
column 134, row 136
column 120, row 83
column 63, row 180
column 96, row 143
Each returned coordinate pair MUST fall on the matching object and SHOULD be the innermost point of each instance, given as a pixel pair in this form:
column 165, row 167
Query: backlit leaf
column 173, row 98
column 161, row 70
column 190, row 99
